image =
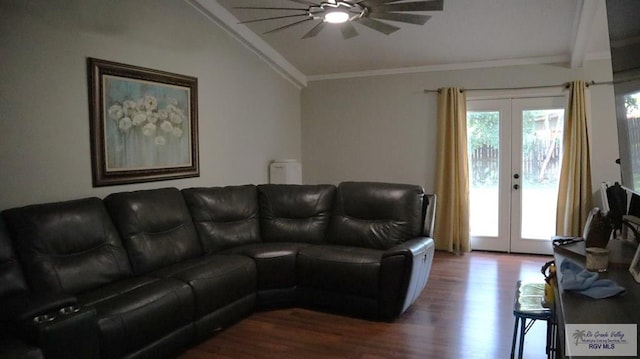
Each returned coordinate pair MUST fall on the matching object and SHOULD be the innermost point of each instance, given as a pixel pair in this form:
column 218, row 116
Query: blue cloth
column 580, row 280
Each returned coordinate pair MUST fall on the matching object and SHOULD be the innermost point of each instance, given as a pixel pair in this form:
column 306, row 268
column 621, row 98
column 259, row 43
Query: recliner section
column 13, row 290
column 158, row 231
column 369, row 263
column 73, row 248
column 144, row 274
column 34, row 325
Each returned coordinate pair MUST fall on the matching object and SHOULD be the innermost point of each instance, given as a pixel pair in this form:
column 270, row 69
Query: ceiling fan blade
column 396, row 16
column 305, row 2
column 267, row 8
column 287, row 26
column 378, row 25
column 348, row 31
column 372, row 3
column 432, row 5
column 314, row 30
column 270, row 18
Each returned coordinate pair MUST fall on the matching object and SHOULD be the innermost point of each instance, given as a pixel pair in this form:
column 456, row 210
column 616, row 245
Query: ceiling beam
column 225, row 20
column 585, row 17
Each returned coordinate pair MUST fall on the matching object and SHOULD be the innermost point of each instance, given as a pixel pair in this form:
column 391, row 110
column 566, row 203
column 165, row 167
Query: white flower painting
column 146, row 124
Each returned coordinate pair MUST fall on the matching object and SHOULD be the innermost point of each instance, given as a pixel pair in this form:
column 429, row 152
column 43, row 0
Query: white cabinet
column 285, row 172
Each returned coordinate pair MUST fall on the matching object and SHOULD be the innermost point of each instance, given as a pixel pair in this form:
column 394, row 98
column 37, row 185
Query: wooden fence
column 540, row 163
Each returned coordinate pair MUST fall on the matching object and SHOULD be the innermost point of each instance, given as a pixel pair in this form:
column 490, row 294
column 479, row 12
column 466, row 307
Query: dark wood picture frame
column 143, row 123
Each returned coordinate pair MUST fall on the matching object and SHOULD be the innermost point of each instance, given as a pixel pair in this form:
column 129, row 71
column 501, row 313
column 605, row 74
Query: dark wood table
column 574, row 308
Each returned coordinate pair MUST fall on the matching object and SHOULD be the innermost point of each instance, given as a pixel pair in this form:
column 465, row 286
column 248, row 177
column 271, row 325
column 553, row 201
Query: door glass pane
column 632, row 108
column 541, row 155
column 483, row 142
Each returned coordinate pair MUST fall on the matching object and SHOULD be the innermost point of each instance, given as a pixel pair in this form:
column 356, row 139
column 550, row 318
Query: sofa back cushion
column 376, row 215
column 67, row 247
column 11, row 277
column 224, row 216
column 155, row 226
column 295, row 213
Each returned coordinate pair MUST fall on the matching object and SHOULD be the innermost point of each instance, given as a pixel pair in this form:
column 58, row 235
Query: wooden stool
column 528, row 308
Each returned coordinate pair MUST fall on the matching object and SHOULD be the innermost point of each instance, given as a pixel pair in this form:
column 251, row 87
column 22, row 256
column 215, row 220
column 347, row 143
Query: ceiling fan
column 344, row 13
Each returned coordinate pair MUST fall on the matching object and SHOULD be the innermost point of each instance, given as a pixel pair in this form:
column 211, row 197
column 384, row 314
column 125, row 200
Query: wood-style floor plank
column 464, row 312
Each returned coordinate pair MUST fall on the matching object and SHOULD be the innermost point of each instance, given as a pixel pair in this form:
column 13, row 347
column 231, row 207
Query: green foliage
column 529, row 130
column 483, row 137
column 631, row 103
column 636, row 181
column 483, row 129
column 631, row 106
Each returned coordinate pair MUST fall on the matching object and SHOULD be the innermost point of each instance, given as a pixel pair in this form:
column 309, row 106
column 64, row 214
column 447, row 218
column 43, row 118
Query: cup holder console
column 44, row 318
column 50, row 317
column 69, row 310
column 68, row 332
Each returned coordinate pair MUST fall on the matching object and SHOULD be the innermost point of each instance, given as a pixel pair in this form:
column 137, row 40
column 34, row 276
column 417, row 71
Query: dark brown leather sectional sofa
column 145, row 274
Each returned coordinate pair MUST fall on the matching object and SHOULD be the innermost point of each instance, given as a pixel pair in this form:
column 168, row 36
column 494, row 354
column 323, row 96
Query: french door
column 514, row 167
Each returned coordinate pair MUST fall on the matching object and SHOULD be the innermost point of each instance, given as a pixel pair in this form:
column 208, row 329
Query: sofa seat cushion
column 136, row 312
column 347, row 270
column 216, row 280
column 276, row 262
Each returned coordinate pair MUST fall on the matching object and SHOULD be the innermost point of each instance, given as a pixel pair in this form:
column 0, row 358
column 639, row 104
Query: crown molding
column 227, row 22
column 544, row 60
column 445, row 67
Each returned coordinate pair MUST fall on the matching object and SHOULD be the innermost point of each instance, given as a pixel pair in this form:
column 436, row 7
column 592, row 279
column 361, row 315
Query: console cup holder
column 69, row 310
column 50, row 317
column 44, row 318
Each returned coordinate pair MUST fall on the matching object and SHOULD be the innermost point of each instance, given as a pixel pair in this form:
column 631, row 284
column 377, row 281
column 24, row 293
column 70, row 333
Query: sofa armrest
column 11, row 348
column 404, row 270
column 69, row 333
column 55, row 324
column 412, row 247
column 429, row 214
column 25, row 306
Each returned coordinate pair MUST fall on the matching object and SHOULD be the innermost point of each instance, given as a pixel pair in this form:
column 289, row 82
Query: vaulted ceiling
column 467, row 33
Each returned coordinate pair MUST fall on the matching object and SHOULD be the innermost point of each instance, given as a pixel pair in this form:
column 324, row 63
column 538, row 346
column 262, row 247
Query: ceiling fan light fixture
column 337, row 16
column 368, row 13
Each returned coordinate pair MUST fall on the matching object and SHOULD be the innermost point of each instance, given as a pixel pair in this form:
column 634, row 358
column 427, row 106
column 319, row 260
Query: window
column 628, row 113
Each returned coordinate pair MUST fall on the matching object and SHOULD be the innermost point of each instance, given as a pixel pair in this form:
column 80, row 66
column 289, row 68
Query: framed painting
column 144, row 124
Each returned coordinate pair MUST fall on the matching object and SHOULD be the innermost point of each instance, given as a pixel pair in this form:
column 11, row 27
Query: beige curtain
column 451, row 230
column 574, row 194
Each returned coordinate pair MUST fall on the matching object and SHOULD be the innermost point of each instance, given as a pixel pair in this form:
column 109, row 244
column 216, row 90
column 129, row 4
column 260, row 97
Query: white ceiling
column 467, row 33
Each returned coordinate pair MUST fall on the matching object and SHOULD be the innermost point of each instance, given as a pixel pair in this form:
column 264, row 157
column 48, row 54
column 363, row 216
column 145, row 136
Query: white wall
column 248, row 114
column 383, row 128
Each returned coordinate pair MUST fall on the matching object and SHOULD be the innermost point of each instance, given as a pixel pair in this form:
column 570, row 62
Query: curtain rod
column 565, row 85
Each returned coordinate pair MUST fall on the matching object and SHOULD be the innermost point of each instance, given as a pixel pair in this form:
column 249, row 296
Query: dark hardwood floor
column 464, row 312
